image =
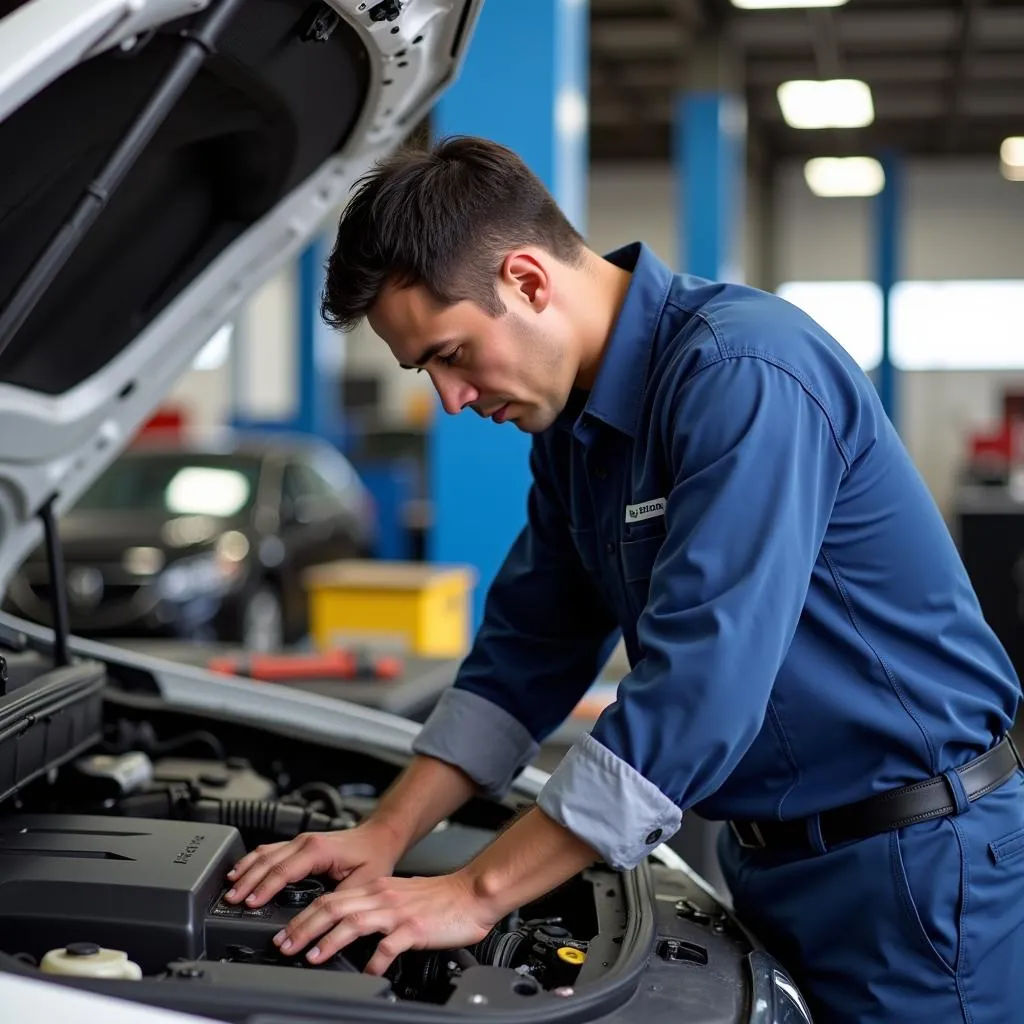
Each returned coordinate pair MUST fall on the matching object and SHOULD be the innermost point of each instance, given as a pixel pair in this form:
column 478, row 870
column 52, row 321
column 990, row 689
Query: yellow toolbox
column 420, row 608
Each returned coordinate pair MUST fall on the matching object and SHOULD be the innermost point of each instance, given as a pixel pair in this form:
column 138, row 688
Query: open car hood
column 274, row 108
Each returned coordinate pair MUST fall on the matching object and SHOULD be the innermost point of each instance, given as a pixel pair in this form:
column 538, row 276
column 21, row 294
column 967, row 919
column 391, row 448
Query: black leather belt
column 886, row 812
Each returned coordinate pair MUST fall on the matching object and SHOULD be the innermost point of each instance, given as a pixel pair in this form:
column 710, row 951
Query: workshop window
column 936, row 325
column 958, row 325
column 851, row 311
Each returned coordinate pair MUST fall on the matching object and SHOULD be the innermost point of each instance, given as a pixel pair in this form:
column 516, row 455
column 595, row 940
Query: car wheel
column 263, row 621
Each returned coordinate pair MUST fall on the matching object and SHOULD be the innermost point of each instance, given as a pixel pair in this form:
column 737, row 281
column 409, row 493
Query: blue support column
column 523, row 84
column 320, row 351
column 709, row 149
column 888, row 220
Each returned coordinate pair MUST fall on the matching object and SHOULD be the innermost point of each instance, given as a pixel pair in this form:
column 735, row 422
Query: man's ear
column 528, row 279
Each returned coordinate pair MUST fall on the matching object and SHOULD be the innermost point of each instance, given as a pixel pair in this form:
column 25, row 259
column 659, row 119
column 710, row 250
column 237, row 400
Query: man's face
column 513, row 367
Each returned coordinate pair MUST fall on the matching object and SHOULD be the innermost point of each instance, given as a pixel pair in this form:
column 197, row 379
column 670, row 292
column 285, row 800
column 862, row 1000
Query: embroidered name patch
column 646, row 510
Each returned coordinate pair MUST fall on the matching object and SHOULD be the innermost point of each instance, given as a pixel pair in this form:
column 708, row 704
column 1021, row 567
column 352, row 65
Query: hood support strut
column 197, row 45
column 58, row 585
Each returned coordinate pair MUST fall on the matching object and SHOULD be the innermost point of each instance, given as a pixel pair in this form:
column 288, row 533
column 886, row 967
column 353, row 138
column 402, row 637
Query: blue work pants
column 923, row 924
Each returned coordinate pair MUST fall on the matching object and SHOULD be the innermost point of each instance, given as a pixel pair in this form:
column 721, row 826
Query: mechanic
column 714, row 476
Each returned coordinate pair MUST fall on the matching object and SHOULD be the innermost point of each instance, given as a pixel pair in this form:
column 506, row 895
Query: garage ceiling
column 947, row 76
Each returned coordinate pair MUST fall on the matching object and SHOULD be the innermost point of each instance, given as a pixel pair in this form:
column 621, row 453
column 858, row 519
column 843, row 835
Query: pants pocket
column 1008, row 847
column 927, row 867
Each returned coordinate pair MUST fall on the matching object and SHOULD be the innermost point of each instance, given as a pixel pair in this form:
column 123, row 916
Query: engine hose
column 265, row 816
column 501, row 949
column 312, row 790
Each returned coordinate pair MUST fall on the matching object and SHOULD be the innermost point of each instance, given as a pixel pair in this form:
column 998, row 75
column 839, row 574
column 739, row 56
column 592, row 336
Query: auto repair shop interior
column 243, row 554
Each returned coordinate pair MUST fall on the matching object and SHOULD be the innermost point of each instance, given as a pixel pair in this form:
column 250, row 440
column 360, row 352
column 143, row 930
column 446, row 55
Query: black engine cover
column 140, row 885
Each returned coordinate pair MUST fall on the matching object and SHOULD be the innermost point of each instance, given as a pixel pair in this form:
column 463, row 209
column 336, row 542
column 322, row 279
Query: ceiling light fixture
column 834, row 177
column 1011, row 158
column 834, row 103
column 777, row 5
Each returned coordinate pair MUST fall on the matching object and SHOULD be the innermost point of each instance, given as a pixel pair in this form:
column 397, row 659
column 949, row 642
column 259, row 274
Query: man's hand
column 412, row 913
column 353, row 857
column 447, row 912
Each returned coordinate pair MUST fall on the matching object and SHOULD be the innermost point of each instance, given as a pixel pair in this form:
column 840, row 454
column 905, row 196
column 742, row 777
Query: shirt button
column 653, row 837
column 600, row 472
column 610, row 548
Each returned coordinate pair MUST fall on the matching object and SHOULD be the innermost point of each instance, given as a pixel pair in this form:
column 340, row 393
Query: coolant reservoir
column 88, row 960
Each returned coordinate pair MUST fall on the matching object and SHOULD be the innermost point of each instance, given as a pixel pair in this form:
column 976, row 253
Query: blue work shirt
column 800, row 628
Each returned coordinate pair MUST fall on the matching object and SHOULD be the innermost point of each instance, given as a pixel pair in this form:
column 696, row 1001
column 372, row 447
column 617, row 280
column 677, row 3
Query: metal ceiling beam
column 769, row 72
column 923, row 104
column 970, row 12
column 825, row 42
column 928, row 28
column 662, row 74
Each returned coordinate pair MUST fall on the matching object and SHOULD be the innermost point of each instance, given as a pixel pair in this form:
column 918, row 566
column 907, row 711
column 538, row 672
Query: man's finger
column 401, row 939
column 256, row 872
column 348, row 929
column 251, row 857
column 269, row 875
column 320, row 917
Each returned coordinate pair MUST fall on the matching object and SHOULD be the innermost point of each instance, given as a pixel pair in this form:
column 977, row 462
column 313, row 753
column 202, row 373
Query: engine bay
column 113, row 867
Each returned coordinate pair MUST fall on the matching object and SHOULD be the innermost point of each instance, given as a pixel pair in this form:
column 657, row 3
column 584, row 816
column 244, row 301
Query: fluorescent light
column 771, row 5
column 831, row 177
column 1011, row 158
column 836, row 103
column 1011, row 152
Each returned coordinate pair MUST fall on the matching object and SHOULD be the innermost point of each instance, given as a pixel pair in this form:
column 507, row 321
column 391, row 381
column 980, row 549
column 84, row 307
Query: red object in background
column 1005, row 443
column 168, row 421
column 989, row 446
column 340, row 664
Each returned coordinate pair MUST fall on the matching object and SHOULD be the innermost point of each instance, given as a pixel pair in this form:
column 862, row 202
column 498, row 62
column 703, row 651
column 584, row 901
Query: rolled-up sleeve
column 756, row 469
column 538, row 649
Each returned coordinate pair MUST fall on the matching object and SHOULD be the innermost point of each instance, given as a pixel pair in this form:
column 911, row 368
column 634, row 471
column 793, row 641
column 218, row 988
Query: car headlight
column 143, row 561
column 205, row 575
column 775, row 997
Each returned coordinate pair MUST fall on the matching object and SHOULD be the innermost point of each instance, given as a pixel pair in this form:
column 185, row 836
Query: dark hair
column 444, row 218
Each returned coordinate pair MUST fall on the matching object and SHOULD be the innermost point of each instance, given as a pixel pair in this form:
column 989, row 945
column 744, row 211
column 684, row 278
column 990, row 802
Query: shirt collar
column 619, row 387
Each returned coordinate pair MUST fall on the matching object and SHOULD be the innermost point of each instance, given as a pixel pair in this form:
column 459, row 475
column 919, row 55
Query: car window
column 335, row 471
column 176, row 484
column 318, row 486
column 302, row 483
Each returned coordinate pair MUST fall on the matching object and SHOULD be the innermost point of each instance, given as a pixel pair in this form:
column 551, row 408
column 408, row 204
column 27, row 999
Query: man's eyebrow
column 428, row 353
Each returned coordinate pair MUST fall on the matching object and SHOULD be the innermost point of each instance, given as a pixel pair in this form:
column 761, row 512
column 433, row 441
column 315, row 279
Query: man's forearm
column 530, row 858
column 424, row 794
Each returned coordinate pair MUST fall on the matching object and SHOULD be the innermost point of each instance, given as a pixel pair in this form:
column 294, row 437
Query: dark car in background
column 204, row 541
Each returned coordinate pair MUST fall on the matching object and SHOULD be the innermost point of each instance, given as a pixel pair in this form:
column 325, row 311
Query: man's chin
column 531, row 421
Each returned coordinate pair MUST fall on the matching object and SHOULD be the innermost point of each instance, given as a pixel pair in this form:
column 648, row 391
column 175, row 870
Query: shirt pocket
column 638, row 557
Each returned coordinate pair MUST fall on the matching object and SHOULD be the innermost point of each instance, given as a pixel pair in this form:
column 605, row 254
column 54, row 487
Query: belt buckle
column 757, row 843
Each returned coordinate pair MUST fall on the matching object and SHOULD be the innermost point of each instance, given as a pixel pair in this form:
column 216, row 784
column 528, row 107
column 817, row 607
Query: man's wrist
column 489, row 887
column 530, row 858
column 395, row 832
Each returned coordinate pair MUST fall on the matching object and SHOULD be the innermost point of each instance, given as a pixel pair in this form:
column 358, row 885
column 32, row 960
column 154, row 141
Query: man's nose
column 455, row 394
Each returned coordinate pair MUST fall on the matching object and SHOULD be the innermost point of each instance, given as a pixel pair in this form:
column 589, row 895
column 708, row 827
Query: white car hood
column 257, row 155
